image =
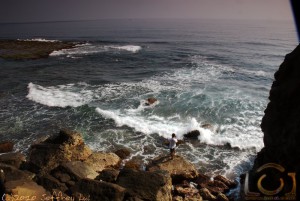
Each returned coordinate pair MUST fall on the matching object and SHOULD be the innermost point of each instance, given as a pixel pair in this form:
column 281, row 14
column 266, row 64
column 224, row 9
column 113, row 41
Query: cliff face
column 281, row 124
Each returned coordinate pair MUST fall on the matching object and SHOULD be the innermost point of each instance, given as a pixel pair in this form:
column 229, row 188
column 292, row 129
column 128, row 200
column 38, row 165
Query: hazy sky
column 52, row 10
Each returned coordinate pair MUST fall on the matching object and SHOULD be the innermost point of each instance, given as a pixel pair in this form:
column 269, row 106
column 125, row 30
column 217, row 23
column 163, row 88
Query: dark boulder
column 280, row 126
column 192, row 135
column 108, row 175
column 122, row 153
column 6, row 147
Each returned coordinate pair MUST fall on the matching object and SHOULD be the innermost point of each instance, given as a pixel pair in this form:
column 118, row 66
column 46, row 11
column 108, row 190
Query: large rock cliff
column 281, row 123
column 281, row 127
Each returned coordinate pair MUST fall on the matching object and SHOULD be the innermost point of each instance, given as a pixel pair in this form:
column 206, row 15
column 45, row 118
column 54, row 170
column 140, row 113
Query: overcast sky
column 56, row 10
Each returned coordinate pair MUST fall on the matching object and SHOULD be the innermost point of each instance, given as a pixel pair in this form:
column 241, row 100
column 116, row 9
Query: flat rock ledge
column 62, row 167
column 24, row 49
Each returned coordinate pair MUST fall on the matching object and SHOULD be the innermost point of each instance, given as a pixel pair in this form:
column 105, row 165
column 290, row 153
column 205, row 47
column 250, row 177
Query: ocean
column 216, row 72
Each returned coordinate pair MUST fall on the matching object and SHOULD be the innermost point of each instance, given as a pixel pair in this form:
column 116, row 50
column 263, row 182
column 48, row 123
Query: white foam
column 60, row 96
column 88, row 49
column 164, row 127
column 39, row 40
column 130, row 48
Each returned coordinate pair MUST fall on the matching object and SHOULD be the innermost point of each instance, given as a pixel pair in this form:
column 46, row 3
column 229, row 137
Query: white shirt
column 172, row 142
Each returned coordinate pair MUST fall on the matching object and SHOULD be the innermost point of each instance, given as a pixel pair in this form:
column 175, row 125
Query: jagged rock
column 25, row 188
column 179, row 168
column 186, row 191
column 101, row 160
column 122, row 153
column 76, row 170
column 14, row 159
column 280, row 125
column 150, row 101
column 222, row 197
column 6, row 147
column 11, row 173
column 196, row 197
column 63, row 177
column 99, row 190
column 50, row 183
column 66, row 146
column 227, row 182
column 177, row 198
column 211, row 187
column 133, row 164
column 202, row 178
column 108, row 175
column 146, row 185
column 206, row 195
column 192, row 135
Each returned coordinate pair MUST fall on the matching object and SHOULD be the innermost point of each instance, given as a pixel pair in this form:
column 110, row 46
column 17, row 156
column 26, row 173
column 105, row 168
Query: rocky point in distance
column 62, row 166
column 30, row 49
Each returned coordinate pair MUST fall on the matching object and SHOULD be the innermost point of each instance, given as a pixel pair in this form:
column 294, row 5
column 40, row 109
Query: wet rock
column 99, row 190
column 179, row 168
column 146, row 185
column 76, row 170
column 50, row 183
column 227, row 182
column 206, row 195
column 192, row 135
column 24, row 188
column 150, row 101
column 108, row 175
column 101, row 160
column 14, row 159
column 66, row 146
column 122, row 153
column 6, row 147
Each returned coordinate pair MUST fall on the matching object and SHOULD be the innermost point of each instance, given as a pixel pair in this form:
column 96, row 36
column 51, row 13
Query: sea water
column 216, row 72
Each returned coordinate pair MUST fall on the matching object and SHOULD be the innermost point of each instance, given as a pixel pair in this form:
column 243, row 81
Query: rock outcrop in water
column 62, row 167
column 19, row 50
column 281, row 128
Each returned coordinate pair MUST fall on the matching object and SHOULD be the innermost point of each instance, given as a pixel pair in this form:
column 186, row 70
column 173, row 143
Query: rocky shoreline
column 62, row 167
column 25, row 49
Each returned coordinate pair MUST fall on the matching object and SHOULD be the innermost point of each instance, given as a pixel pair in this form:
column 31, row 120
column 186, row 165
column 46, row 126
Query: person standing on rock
column 172, row 145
